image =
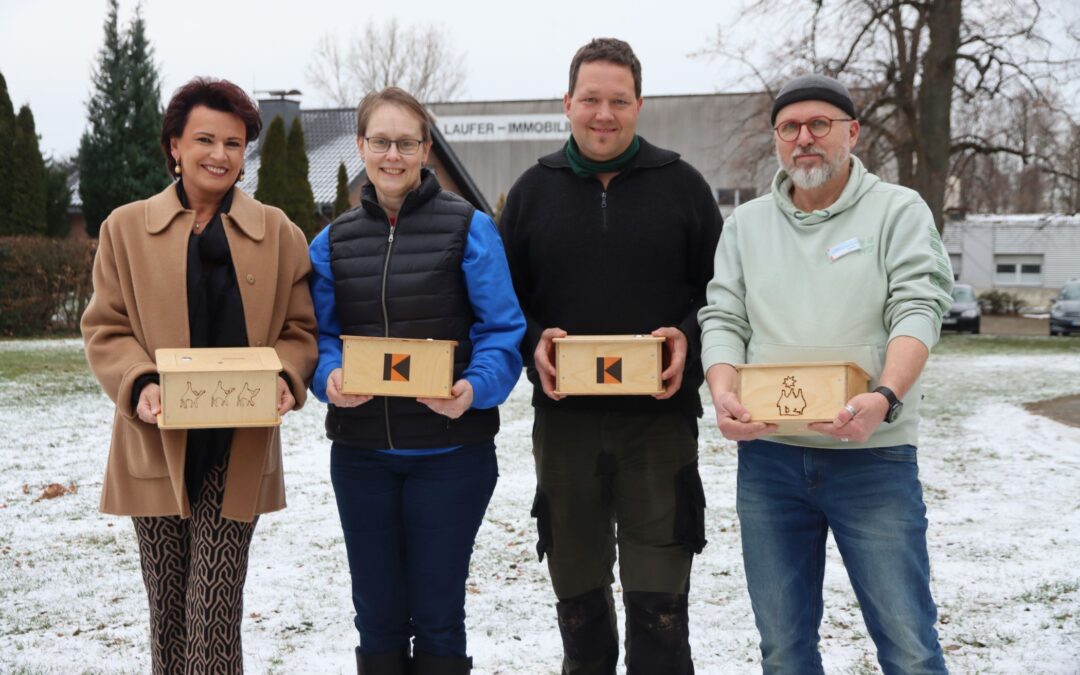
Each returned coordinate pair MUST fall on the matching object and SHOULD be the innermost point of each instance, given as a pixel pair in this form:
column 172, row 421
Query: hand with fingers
column 734, row 422
column 334, row 395
column 857, row 420
column 284, row 397
column 149, row 406
column 675, row 347
column 544, row 360
column 455, row 407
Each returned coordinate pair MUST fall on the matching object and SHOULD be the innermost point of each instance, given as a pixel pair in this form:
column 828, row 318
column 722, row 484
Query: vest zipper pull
column 390, row 240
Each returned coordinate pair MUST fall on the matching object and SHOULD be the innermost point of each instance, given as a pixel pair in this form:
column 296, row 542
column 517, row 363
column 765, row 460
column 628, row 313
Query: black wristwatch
column 895, row 404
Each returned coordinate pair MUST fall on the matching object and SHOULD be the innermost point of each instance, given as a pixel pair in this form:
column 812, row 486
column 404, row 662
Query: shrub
column 45, row 284
column 1000, row 302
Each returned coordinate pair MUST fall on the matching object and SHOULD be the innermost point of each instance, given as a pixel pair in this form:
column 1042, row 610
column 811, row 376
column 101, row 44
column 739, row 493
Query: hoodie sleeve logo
column 396, row 367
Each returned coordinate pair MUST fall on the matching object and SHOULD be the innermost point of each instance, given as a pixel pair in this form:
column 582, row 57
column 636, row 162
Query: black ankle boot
column 384, row 663
column 426, row 664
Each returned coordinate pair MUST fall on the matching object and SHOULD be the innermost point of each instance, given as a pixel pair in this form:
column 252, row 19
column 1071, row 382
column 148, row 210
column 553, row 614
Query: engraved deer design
column 218, row 398
column 190, row 397
column 247, row 396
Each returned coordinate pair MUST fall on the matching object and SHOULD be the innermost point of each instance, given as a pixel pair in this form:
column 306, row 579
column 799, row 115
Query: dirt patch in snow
column 1065, row 409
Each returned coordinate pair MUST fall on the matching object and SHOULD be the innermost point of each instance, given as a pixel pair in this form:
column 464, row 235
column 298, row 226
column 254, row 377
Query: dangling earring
column 178, row 169
column 240, row 177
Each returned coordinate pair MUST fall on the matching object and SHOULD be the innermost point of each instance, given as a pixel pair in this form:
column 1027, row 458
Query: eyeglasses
column 819, row 127
column 405, row 146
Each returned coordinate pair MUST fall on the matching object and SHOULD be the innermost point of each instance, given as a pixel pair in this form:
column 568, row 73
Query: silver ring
column 843, row 439
column 851, row 409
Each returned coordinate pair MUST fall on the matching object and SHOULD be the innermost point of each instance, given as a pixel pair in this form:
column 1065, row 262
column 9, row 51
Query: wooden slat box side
column 218, row 387
column 397, row 367
column 605, row 365
column 792, row 395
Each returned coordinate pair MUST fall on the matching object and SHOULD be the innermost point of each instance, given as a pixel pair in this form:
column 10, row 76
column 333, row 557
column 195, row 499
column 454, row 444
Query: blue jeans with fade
column 410, row 523
column 789, row 497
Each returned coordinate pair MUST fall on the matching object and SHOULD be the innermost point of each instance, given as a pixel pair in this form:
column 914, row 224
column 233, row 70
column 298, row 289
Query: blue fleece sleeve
column 322, row 295
column 496, row 336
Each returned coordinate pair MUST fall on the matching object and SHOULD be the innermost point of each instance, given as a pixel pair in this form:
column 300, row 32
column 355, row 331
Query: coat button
column 251, row 278
column 258, row 343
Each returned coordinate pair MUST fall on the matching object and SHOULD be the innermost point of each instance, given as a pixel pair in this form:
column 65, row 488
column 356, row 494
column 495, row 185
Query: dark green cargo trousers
column 620, row 482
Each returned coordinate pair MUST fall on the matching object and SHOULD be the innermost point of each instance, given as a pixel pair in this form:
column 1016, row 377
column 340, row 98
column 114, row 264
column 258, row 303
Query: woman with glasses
column 412, row 477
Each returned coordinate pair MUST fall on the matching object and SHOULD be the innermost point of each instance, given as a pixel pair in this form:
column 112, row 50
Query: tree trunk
column 935, row 105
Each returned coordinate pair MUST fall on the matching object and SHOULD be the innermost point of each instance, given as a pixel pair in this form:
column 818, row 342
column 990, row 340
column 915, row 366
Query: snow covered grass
column 1002, row 489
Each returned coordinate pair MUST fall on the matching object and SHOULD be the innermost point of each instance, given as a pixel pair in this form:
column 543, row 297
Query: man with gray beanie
column 833, row 265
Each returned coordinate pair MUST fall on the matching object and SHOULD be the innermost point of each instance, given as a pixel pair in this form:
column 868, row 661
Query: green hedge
column 45, row 284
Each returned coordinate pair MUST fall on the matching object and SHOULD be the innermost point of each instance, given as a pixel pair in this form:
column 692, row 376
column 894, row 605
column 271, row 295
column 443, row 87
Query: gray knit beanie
column 814, row 88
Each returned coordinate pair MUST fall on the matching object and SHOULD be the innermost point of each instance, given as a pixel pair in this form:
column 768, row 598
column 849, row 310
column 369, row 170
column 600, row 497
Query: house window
column 1018, row 270
column 954, row 260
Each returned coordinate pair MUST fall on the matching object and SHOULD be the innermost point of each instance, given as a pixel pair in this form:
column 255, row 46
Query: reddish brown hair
column 395, row 96
column 215, row 94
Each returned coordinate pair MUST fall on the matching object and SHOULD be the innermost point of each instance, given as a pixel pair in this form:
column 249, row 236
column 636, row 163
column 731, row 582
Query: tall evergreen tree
column 7, row 142
column 27, row 212
column 273, row 162
column 341, row 201
column 57, row 197
column 300, row 202
column 119, row 159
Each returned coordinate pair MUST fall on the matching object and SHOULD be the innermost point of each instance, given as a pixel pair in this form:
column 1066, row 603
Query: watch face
column 894, row 412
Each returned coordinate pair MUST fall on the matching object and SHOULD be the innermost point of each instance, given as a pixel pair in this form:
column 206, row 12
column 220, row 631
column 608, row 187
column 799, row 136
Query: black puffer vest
column 405, row 282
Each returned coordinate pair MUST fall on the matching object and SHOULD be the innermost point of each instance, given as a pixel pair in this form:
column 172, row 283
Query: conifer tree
column 300, row 202
column 341, row 201
column 273, row 160
column 57, row 198
column 7, row 142
column 26, row 215
column 119, row 158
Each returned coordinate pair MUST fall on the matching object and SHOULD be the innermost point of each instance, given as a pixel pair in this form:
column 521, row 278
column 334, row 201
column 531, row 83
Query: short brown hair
column 395, row 96
column 220, row 95
column 606, row 49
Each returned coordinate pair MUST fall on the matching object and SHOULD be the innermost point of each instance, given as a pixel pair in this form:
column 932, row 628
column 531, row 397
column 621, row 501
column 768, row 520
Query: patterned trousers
column 194, row 570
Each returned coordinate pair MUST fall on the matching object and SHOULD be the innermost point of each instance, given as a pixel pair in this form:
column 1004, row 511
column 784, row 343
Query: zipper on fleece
column 386, row 324
column 603, row 210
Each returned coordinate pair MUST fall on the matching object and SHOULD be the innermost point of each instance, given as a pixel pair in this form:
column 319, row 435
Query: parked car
column 1065, row 312
column 965, row 313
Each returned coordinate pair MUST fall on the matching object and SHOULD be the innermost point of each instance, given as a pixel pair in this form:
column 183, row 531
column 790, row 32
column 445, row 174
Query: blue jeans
column 788, row 499
column 410, row 524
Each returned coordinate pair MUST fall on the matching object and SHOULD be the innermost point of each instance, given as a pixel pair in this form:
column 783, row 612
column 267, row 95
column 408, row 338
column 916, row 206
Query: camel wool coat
column 140, row 304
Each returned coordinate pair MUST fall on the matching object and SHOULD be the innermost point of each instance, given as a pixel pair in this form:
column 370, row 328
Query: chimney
column 275, row 103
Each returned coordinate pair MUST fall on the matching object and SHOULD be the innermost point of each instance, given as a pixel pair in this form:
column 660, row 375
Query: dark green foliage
column 1000, row 302
column 45, row 284
column 7, row 140
column 119, row 157
column 26, row 212
column 57, row 197
column 273, row 160
column 341, row 201
column 300, row 202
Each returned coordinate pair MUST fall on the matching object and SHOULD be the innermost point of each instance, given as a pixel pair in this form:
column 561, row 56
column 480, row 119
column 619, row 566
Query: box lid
column 810, row 364
column 608, row 338
column 217, row 359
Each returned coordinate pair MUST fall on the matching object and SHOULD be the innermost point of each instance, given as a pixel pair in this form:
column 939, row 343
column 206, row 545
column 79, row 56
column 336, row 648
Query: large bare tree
column 922, row 71
column 419, row 58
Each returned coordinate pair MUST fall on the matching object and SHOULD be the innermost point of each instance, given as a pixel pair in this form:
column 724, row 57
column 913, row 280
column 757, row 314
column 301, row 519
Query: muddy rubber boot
column 589, row 635
column 426, row 664
column 384, row 663
column 657, row 634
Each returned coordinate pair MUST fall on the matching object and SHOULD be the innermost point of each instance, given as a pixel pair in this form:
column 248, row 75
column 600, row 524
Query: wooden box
column 792, row 395
column 603, row 365
column 218, row 387
column 397, row 367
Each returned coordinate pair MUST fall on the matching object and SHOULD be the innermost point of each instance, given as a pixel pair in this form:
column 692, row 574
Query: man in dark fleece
column 613, row 235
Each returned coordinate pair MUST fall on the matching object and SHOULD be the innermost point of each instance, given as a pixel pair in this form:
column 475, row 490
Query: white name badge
column 843, row 248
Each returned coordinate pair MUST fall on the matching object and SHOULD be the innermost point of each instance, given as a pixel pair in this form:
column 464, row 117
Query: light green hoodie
column 776, row 296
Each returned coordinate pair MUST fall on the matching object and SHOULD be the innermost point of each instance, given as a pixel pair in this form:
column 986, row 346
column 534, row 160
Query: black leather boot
column 589, row 635
column 657, row 634
column 426, row 664
column 384, row 663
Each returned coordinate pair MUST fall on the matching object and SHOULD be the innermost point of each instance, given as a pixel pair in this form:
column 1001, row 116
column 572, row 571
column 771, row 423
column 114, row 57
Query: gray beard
column 811, row 179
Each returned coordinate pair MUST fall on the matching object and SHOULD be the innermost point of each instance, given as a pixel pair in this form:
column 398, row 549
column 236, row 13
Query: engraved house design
column 791, row 402
column 396, row 367
column 609, row 370
column 190, row 397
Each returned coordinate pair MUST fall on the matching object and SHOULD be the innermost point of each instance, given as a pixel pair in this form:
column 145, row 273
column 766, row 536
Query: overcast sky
column 513, row 50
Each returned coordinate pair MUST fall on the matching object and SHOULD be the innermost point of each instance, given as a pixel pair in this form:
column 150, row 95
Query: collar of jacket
column 429, row 187
column 164, row 208
column 648, row 157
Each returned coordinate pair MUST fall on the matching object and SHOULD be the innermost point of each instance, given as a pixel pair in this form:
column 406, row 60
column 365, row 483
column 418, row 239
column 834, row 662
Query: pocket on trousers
column 690, row 509
column 895, row 453
column 541, row 510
